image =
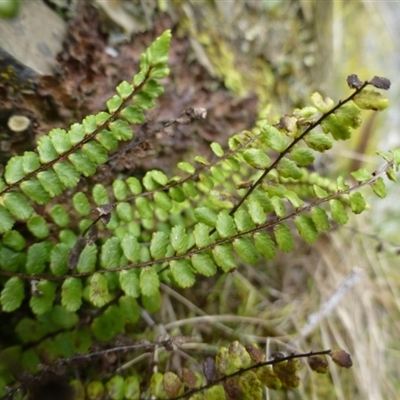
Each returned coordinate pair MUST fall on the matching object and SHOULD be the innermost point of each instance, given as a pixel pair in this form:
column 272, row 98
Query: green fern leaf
column 63, row 318
column 250, row 386
column 134, row 185
column 114, row 104
column 124, row 89
column 182, row 273
column 14, row 170
column 361, row 175
column 179, row 239
column 279, row 206
column 38, row 226
column 217, row 149
column 130, row 247
column 223, row 257
column 100, row 195
column 341, row 184
column 124, row 211
column 302, row 156
column 148, row 182
column 322, row 104
column 157, row 53
column 120, row 189
column 216, row 392
column 34, row 190
column 206, row 182
column 116, row 388
column 98, row 290
column 225, row 225
column 149, row 281
column 107, row 140
column 50, row 182
column 71, row 294
column 30, row 162
column 81, row 204
column 37, row 257
column 95, row 390
column 95, row 152
column 140, row 77
column 222, row 199
column 318, row 141
column 43, row 300
column 158, row 245
column 152, row 303
column 156, row 386
column 186, row 167
column 204, row 264
column 256, row 212
column 224, row 363
column 201, row 160
column 132, row 387
column 371, row 100
column 11, row 260
column 294, row 199
column 82, row 163
column 288, row 169
column 267, row 377
column 283, row 238
column 306, row 228
column 319, row 192
column 67, row 174
column 264, row 245
column 14, row 240
column 332, row 125
column 144, row 208
column 256, row 158
column 87, row 259
column 263, row 199
column 12, row 294
column 274, row 138
column 357, row 202
column 60, row 140
column 246, row 250
column 109, row 324
column 111, row 253
column 176, row 193
column 159, row 177
column 206, row 216
column 172, row 385
column 46, row 150
column 218, row 174
column 121, row 129
column 190, row 189
column 18, row 205
column 130, row 309
column 163, row 200
column 58, row 259
column 243, row 221
column 201, row 234
column 76, row 133
column 133, row 114
column 89, row 124
column 379, row 188
column 320, row 218
column 153, row 88
column 159, row 71
column 338, row 211
column 129, row 282
column 30, row 330
column 144, row 100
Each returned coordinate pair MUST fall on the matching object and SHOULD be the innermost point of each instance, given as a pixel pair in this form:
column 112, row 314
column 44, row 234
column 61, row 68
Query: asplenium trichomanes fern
column 105, row 256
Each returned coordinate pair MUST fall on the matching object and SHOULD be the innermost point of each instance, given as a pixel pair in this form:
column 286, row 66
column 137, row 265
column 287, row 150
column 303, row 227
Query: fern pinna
column 77, row 273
